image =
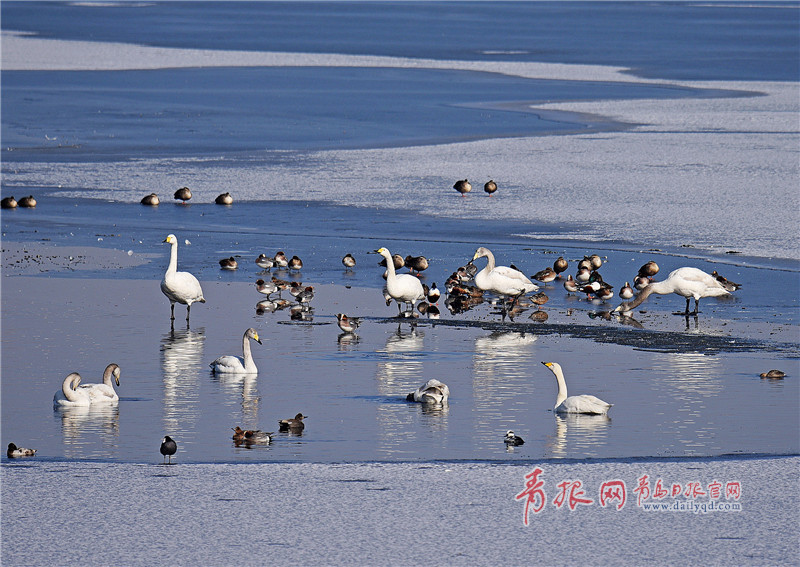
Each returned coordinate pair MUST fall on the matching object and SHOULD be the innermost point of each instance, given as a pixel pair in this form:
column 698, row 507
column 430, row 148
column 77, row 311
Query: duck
column 545, row 276
column 150, row 200
column 583, row 275
column 626, row 291
column 228, row 263
column 280, row 259
column 773, row 375
column 27, row 202
column 14, row 452
column 687, row 282
column 267, row 288
column 229, row 364
column 251, row 435
column 433, row 294
column 463, row 186
column 502, row 280
column 295, row 263
column 641, row 282
column 570, row 285
column 347, row 324
column 348, row 261
column 403, row 288
column 294, row 424
column 560, row 266
column 431, row 392
column 596, row 261
column 490, row 187
column 306, row 295
column 649, row 269
column 69, row 395
column 9, row 203
column 224, row 199
column 416, row 263
column 168, row 447
column 104, row 393
column 726, row 282
column 397, row 260
column 281, row 284
column 574, row 404
column 265, row 262
column 179, row 287
column 183, row 194
column 513, row 440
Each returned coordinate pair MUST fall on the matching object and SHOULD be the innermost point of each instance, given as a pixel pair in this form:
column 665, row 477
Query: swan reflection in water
column 89, row 431
column 182, row 365
column 245, row 387
column 578, row 436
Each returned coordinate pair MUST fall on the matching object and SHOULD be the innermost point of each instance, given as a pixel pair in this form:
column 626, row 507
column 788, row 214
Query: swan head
column 253, row 334
column 115, row 371
column 554, row 367
column 74, row 380
column 171, row 239
column 384, row 252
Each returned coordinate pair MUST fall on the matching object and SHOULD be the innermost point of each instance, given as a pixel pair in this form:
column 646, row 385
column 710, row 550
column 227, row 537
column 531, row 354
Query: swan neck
column 66, row 388
column 644, row 294
column 562, row 386
column 390, row 271
column 173, row 258
column 249, row 363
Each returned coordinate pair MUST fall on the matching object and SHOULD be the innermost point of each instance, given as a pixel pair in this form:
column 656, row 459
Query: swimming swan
column 104, row 392
column 575, row 404
column 179, row 287
column 431, row 392
column 403, row 288
column 502, row 280
column 70, row 395
column 229, row 364
column 686, row 282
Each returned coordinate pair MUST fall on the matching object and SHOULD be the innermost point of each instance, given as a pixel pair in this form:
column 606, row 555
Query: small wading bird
column 168, row 447
column 686, row 282
column 179, row 287
column 574, row 404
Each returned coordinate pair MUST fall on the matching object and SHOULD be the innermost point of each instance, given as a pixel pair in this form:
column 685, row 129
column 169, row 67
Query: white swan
column 575, row 404
column 229, row 364
column 431, row 392
column 501, row 280
column 70, row 395
column 686, row 282
column 179, row 287
column 104, row 392
column 403, row 288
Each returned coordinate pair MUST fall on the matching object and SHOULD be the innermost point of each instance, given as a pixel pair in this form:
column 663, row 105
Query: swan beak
column 258, row 340
column 548, row 364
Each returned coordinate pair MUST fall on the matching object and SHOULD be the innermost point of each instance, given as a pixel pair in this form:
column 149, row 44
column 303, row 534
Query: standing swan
column 104, row 392
column 574, row 404
column 229, row 364
column 686, row 282
column 70, row 395
column 179, row 287
column 502, row 280
column 403, row 288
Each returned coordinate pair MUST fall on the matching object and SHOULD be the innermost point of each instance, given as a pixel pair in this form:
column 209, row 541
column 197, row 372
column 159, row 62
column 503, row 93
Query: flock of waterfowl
column 465, row 288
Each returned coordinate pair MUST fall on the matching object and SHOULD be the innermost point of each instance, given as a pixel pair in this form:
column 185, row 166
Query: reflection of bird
column 168, row 447
column 773, row 374
column 151, row 200
column 490, row 187
column 431, row 392
column 403, row 288
column 502, row 280
column 574, row 404
column 70, row 395
column 513, row 440
column 224, row 199
column 463, row 186
column 293, row 423
column 184, row 194
column 104, row 392
column 348, row 261
column 179, row 287
column 15, row 452
column 540, row 299
column 229, row 364
column 228, row 263
column 347, row 324
column 686, row 282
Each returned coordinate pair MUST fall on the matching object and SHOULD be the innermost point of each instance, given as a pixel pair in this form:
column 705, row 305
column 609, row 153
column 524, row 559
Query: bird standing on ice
column 403, row 288
column 179, row 287
column 501, row 280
